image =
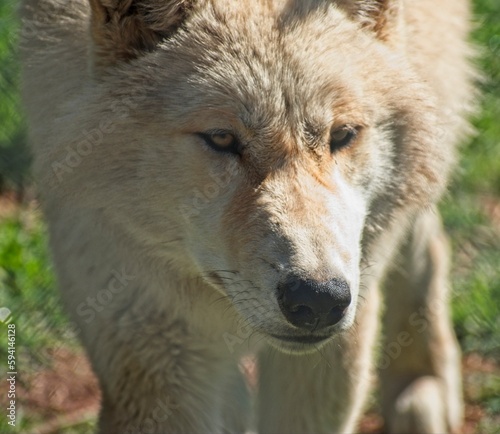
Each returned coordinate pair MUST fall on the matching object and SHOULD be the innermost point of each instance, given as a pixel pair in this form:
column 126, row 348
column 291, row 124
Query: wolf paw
column 421, row 408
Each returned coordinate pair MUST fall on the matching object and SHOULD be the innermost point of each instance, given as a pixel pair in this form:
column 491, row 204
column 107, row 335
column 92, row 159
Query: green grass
column 27, row 288
column 14, row 156
column 27, row 283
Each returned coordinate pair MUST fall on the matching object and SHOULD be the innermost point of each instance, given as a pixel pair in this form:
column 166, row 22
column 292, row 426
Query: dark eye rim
column 234, row 148
column 352, row 133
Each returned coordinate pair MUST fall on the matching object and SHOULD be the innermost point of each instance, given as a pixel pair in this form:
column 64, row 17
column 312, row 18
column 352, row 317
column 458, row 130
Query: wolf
column 224, row 178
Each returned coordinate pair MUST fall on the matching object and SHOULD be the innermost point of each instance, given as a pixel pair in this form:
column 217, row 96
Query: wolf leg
column 158, row 377
column 236, row 409
column 322, row 392
column 420, row 364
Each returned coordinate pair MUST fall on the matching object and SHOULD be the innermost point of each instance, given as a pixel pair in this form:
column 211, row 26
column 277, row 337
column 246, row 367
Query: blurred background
column 56, row 391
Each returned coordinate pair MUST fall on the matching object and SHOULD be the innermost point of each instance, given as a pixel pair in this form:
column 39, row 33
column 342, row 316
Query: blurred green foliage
column 481, row 162
column 14, row 156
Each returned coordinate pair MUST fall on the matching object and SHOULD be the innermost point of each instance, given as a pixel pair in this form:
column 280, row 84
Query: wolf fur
column 169, row 253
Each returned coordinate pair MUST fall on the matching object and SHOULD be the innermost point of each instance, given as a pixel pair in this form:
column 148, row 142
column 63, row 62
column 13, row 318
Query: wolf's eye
column 221, row 141
column 342, row 137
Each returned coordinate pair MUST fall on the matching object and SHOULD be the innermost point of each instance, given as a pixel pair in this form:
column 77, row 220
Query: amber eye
column 342, row 137
column 221, row 141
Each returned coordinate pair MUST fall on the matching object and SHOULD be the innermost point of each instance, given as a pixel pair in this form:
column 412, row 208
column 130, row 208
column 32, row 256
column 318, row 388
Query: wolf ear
column 123, row 29
column 383, row 17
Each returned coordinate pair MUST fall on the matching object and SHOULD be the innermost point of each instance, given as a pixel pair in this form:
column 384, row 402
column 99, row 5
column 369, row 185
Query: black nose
column 313, row 305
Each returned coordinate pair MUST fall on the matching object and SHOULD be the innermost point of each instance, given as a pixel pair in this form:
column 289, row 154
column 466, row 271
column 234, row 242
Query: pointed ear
column 123, row 29
column 384, row 17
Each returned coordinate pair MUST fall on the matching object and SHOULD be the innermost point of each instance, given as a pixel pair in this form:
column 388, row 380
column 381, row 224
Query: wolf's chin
column 297, row 348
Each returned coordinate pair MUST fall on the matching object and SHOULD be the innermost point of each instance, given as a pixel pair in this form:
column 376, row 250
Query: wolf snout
column 313, row 305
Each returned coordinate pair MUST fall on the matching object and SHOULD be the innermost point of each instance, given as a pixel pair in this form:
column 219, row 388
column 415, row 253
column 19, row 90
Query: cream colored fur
column 169, row 253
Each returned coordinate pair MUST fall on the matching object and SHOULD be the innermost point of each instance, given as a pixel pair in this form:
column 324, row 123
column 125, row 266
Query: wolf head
column 261, row 146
